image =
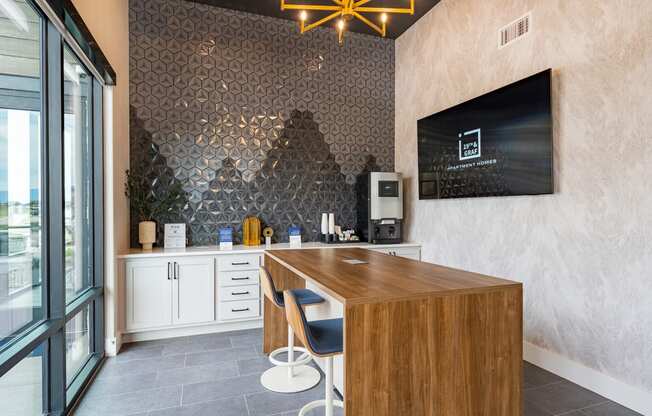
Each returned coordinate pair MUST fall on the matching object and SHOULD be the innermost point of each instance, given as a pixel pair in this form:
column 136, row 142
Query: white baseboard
column 614, row 390
column 112, row 346
column 174, row 332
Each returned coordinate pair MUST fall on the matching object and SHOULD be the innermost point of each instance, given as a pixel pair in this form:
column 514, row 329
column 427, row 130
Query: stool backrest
column 268, row 286
column 296, row 319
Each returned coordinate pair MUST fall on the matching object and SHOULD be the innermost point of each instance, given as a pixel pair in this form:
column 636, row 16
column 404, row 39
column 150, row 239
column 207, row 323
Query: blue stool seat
column 326, row 336
column 304, row 297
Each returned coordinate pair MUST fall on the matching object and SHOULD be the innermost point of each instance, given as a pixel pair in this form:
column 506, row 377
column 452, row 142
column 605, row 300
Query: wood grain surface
column 382, row 277
column 419, row 339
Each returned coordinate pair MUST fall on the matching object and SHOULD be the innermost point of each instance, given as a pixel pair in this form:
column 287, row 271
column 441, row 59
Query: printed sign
column 295, row 236
column 175, row 236
column 226, row 237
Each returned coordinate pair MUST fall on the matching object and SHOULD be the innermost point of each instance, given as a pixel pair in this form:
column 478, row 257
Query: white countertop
column 239, row 249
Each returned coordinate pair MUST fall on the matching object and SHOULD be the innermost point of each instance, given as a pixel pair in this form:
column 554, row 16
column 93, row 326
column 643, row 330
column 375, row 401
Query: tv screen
column 498, row 144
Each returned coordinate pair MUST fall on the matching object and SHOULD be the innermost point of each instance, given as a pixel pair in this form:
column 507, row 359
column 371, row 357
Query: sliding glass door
column 51, row 261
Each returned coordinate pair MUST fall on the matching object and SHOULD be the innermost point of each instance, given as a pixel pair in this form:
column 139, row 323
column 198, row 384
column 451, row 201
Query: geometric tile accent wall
column 253, row 118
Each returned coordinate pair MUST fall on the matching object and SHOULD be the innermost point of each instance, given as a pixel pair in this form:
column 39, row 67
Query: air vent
column 515, row 30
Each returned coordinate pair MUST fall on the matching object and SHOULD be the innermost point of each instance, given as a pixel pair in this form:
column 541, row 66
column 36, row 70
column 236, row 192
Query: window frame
column 49, row 331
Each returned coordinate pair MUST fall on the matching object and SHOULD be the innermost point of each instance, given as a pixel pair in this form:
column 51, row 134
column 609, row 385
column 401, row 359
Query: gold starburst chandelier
column 347, row 10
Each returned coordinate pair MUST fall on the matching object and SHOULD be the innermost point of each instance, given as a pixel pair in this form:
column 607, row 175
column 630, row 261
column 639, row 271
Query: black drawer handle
column 242, row 263
column 239, row 278
column 240, row 310
column 239, row 293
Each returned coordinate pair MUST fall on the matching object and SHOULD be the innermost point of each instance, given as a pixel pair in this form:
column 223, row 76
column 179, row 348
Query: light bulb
column 383, row 17
column 340, row 24
column 303, row 16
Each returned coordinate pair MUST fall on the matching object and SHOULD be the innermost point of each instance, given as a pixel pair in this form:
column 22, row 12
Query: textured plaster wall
column 584, row 253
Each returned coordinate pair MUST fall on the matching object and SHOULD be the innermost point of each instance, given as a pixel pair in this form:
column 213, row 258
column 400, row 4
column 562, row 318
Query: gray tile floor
column 218, row 375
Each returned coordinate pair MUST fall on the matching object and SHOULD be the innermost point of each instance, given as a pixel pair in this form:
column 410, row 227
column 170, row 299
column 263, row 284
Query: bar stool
column 323, row 339
column 291, row 376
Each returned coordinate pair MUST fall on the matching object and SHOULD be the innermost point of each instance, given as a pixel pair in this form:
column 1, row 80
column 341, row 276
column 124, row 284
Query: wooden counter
column 419, row 339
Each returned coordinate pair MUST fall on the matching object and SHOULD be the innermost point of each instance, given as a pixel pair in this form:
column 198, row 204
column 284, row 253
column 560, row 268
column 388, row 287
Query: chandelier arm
column 338, row 2
column 384, row 10
column 360, row 3
column 319, row 22
column 403, row 10
column 285, row 6
column 371, row 24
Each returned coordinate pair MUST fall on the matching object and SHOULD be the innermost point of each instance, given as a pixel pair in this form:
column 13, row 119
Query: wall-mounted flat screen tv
column 498, row 144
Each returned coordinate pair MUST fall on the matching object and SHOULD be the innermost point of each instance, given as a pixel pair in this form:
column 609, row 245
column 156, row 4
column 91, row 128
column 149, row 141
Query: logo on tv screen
column 470, row 144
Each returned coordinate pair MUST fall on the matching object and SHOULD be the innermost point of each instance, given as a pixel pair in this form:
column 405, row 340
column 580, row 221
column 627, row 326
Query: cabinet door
column 194, row 290
column 149, row 294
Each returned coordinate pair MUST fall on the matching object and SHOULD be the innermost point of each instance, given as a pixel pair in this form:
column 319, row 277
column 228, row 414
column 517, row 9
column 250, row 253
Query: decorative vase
column 147, row 234
column 251, row 231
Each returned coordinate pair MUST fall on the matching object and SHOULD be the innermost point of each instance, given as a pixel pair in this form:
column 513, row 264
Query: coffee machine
column 380, row 207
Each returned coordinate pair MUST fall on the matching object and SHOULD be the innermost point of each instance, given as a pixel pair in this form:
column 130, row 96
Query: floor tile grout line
column 157, row 373
column 244, row 397
column 143, row 359
column 220, row 398
column 543, row 385
column 584, row 408
column 96, row 395
column 156, row 410
column 117, row 361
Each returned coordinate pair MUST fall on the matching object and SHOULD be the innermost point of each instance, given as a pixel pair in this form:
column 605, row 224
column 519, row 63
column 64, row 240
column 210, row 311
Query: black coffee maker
column 380, row 207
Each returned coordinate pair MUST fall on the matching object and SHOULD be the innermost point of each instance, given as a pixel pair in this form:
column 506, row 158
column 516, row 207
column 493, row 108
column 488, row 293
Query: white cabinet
column 148, row 294
column 181, row 291
column 413, row 253
column 193, row 292
column 169, row 291
column 238, row 290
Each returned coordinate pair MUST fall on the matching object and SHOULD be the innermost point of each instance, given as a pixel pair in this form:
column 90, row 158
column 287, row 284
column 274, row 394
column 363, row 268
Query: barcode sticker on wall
column 515, row 30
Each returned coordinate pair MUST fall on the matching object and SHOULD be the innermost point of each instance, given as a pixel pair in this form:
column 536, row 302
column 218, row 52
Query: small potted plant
column 149, row 207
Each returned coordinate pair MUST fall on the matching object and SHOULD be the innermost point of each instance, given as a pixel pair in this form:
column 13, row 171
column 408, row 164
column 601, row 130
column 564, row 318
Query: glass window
column 21, row 389
column 78, row 176
column 26, row 141
column 20, row 169
column 78, row 342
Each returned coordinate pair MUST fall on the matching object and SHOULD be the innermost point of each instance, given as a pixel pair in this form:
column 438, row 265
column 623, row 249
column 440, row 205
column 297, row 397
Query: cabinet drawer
column 230, row 293
column 240, row 309
column 409, row 252
column 413, row 253
column 238, row 262
column 246, row 277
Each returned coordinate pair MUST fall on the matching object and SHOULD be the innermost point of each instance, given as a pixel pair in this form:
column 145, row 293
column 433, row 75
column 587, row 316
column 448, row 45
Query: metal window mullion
column 26, row 344
column 82, row 301
column 98, row 216
column 45, row 220
column 56, row 368
column 82, row 379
